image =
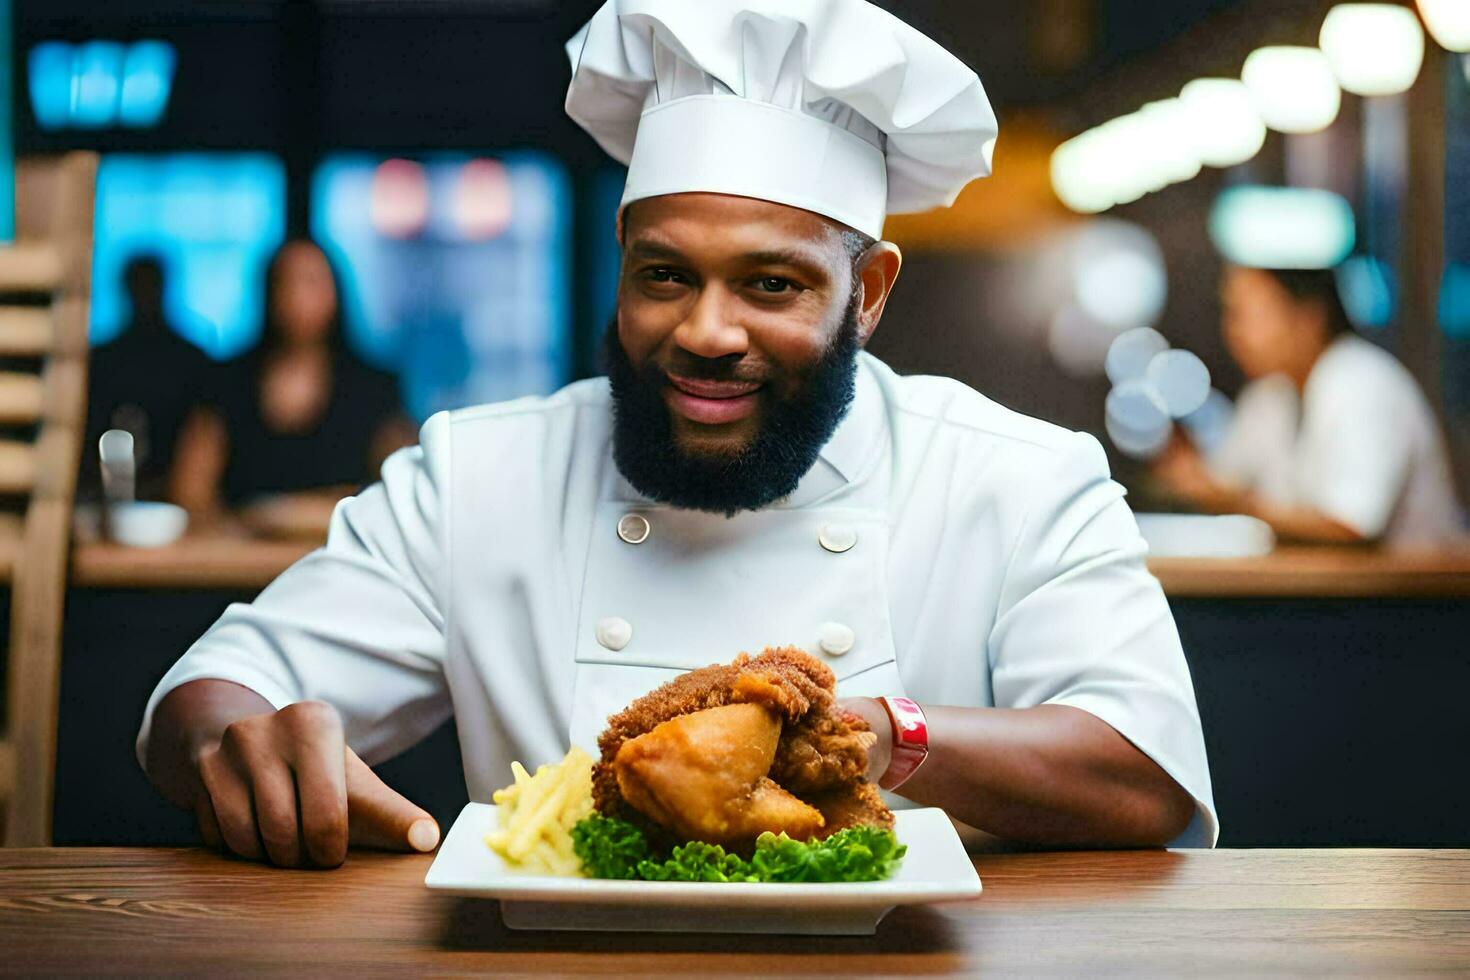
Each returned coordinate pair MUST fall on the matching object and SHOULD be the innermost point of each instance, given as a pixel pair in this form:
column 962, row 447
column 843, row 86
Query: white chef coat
column 941, row 547
column 1360, row 444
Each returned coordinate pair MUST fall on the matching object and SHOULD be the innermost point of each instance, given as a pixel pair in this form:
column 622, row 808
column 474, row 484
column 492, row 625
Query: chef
column 744, row 477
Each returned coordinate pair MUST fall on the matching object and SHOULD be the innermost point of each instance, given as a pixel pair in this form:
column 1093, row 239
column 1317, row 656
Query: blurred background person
column 147, row 381
column 302, row 421
column 1332, row 440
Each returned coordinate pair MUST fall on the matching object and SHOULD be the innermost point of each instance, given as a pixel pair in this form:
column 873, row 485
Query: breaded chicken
column 703, row 775
column 727, row 752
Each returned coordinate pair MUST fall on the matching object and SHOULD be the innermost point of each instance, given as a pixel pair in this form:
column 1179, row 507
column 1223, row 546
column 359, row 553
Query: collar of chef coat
column 847, row 458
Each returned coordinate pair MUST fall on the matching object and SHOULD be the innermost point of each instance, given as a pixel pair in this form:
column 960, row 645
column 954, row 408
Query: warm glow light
column 1292, row 88
column 1282, row 227
column 1221, row 122
column 1125, row 158
column 1075, row 177
column 1167, row 141
column 398, row 203
column 482, row 204
column 1449, row 22
column 1374, row 48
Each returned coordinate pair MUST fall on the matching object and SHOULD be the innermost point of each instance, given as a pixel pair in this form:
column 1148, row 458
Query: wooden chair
column 45, row 286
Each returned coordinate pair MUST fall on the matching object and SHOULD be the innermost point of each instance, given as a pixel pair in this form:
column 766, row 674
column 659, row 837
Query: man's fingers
column 321, row 783
column 232, row 806
column 379, row 817
column 274, row 793
column 208, row 824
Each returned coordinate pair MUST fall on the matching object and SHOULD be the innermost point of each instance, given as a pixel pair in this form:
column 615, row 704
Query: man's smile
column 712, row 402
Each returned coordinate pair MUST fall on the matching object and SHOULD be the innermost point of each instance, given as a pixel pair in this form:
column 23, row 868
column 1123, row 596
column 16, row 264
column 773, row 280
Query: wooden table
column 243, row 563
column 191, row 563
column 155, row 911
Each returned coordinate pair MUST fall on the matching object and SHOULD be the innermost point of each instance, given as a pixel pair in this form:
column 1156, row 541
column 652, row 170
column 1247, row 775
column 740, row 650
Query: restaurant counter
column 1132, row 913
column 233, row 563
column 1330, row 685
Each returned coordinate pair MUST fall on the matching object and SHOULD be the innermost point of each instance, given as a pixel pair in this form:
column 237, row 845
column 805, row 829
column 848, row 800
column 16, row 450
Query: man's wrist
column 910, row 741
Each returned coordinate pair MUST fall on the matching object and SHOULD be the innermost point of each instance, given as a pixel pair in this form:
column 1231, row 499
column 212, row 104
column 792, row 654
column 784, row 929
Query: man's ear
column 877, row 270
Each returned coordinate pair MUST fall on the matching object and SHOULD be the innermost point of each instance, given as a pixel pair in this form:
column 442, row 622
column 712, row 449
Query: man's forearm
column 1302, row 524
column 190, row 717
column 1051, row 774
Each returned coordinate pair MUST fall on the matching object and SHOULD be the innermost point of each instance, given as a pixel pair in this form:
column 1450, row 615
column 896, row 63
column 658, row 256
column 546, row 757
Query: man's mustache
column 698, row 368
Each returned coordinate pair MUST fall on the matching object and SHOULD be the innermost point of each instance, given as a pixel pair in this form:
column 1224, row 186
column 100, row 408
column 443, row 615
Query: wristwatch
column 910, row 741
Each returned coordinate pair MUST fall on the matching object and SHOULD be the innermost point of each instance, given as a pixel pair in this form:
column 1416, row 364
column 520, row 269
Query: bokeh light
column 1137, row 420
column 1374, row 48
column 1293, row 88
column 1282, row 227
column 1129, row 356
column 482, row 200
column 1221, row 121
column 1449, row 22
column 1181, row 380
column 399, row 201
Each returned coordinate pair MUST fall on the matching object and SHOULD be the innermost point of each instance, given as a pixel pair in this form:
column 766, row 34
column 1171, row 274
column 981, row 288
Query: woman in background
column 302, row 421
column 1332, row 440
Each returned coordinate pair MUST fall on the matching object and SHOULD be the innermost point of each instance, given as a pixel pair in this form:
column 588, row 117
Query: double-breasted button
column 633, row 528
column 614, row 632
column 837, row 538
column 835, row 639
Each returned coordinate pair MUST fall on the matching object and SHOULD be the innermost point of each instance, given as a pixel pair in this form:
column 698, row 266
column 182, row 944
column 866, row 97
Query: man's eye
column 775, row 284
column 662, row 274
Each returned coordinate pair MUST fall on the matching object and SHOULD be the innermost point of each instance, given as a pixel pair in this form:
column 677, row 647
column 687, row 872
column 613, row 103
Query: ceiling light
column 1221, row 121
column 1282, row 227
column 1373, row 48
column 1449, row 22
column 1292, row 88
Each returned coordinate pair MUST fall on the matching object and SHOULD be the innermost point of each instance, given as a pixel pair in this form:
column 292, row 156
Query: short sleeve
column 1356, row 448
column 1083, row 623
column 359, row 623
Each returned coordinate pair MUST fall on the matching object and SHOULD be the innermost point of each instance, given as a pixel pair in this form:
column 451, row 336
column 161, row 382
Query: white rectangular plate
column 935, row 869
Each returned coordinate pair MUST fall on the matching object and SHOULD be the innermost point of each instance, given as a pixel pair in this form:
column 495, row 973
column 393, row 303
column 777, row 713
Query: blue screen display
column 456, row 269
column 213, row 220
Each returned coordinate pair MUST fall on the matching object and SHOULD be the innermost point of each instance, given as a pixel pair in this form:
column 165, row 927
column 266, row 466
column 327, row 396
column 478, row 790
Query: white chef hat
column 834, row 106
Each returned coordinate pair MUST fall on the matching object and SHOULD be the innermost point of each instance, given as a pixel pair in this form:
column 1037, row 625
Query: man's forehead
column 728, row 224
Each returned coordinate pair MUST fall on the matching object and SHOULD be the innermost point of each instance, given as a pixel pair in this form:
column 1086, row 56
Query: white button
column 633, row 528
column 614, row 632
column 837, row 538
column 835, row 639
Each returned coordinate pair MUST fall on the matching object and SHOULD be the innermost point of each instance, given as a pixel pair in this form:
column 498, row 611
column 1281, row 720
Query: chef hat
column 834, row 106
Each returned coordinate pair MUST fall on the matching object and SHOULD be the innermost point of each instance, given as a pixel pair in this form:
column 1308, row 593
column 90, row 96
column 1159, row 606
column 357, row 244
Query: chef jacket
column 1360, row 444
column 941, row 547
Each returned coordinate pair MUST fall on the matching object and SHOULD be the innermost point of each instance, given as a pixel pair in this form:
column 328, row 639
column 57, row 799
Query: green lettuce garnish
column 611, row 848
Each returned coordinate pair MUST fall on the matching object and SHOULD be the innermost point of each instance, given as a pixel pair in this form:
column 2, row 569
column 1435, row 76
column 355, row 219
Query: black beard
column 791, row 435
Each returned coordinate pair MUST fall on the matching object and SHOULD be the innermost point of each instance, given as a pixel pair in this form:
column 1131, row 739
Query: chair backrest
column 45, row 291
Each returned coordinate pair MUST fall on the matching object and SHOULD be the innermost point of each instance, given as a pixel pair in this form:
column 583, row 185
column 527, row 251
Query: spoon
column 118, row 468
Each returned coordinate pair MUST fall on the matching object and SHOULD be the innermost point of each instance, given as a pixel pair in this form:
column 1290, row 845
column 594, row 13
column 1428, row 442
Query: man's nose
column 710, row 331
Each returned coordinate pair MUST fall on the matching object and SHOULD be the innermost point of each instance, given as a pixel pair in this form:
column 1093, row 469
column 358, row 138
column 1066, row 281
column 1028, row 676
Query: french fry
column 537, row 812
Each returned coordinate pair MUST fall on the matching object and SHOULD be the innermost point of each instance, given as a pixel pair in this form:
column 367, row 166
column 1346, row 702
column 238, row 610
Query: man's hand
column 872, row 712
column 284, row 786
column 1182, row 471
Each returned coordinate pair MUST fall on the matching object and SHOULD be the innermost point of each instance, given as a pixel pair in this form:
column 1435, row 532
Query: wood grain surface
column 1329, row 912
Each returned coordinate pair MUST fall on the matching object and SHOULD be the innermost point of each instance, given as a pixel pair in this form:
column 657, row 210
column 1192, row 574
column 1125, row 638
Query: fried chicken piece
column 703, row 775
column 823, row 750
column 727, row 752
column 787, row 680
column 854, row 804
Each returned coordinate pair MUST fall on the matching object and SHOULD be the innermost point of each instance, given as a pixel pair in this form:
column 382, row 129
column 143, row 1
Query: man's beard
column 792, row 432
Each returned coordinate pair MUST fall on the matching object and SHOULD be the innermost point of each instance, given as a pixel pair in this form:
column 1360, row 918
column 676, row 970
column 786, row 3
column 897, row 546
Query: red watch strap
column 910, row 740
